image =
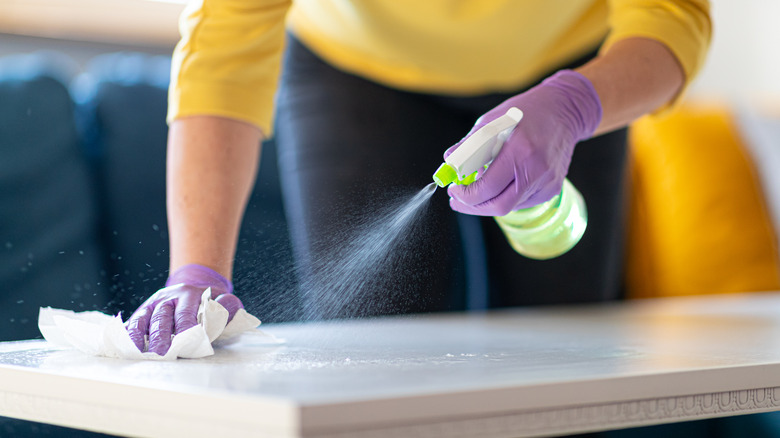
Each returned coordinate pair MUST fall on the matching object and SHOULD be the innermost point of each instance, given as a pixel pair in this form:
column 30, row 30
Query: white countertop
column 525, row 372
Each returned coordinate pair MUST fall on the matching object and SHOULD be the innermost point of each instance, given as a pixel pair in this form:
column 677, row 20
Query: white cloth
column 99, row 334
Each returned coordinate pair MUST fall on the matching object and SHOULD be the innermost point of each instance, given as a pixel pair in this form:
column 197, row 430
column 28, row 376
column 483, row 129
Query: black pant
column 348, row 147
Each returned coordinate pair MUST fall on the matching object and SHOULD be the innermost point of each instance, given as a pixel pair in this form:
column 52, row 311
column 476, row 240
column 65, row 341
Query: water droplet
column 81, row 252
column 9, row 245
column 155, row 227
column 20, row 302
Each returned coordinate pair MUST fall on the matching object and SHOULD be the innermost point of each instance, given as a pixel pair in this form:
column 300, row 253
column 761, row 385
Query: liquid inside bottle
column 549, row 229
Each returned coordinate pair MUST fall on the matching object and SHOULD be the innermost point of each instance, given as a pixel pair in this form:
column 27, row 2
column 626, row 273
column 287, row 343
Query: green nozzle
column 445, row 175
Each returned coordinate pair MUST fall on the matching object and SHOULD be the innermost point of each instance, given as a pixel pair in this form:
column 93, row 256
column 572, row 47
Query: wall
column 744, row 61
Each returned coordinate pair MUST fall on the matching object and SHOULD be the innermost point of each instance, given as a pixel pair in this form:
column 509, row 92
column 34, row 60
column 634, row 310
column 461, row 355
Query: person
column 371, row 94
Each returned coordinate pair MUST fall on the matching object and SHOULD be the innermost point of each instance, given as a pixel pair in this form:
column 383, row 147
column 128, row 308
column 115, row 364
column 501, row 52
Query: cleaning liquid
column 549, row 229
column 544, row 231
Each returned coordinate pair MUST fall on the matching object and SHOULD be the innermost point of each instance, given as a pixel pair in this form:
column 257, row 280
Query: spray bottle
column 540, row 232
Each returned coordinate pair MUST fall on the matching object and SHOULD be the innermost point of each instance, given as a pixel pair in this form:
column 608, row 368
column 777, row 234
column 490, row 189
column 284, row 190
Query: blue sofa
column 82, row 193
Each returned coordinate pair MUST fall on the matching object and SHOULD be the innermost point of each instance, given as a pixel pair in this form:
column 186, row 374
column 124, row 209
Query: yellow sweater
column 228, row 60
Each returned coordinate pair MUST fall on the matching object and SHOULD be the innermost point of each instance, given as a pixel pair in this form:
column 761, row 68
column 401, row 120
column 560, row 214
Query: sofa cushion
column 122, row 100
column 49, row 250
column 699, row 221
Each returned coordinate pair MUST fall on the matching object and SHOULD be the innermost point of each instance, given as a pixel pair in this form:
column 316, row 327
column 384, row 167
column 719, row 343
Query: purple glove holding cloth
column 173, row 310
column 561, row 111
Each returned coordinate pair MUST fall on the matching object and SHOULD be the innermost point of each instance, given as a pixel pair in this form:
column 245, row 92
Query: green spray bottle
column 544, row 231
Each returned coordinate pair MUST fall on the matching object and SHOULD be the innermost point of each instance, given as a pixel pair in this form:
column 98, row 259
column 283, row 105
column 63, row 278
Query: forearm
column 211, row 167
column 634, row 77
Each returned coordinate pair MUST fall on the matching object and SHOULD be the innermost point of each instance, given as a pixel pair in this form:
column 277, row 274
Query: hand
column 174, row 309
column 534, row 160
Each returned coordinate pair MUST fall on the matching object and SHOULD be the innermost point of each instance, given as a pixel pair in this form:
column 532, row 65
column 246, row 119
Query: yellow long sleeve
column 228, row 60
column 684, row 26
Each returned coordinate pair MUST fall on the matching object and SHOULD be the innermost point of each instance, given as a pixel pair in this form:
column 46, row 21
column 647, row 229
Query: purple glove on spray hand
column 534, row 160
column 175, row 309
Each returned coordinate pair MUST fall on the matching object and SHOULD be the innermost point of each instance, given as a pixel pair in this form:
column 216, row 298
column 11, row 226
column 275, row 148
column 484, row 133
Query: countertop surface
column 389, row 374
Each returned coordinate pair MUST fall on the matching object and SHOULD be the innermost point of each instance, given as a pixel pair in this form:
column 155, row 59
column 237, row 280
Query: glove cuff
column 587, row 111
column 200, row 276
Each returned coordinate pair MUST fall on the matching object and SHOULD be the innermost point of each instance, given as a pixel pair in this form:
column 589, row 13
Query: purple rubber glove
column 174, row 309
column 534, row 160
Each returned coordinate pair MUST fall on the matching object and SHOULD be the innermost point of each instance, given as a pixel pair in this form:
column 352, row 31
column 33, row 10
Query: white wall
column 744, row 60
column 104, row 21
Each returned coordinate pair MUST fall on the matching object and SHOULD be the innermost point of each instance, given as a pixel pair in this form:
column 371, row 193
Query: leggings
column 348, row 148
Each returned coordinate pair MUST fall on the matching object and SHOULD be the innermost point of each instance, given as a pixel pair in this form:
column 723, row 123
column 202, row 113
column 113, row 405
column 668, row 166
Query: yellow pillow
column 698, row 223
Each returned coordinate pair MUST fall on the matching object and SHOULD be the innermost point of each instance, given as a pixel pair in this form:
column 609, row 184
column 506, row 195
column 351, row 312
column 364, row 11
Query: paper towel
column 98, row 334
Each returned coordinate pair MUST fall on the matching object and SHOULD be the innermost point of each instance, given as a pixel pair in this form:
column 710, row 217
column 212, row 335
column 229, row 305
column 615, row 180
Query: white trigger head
column 484, row 145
